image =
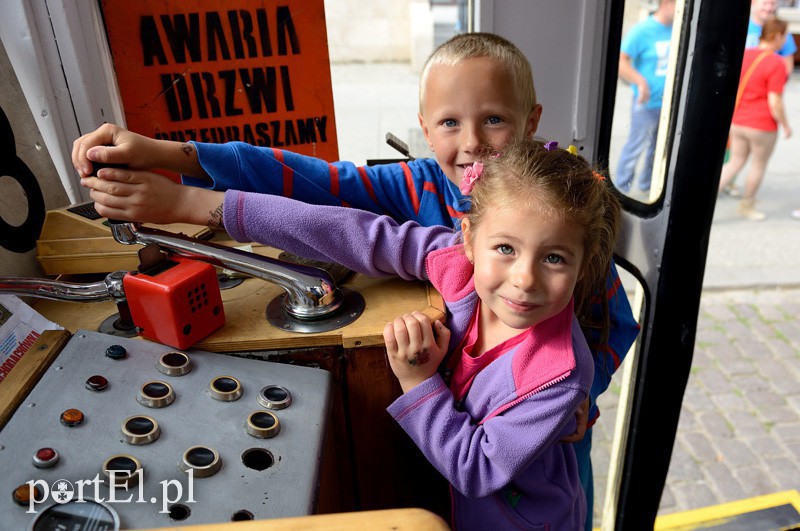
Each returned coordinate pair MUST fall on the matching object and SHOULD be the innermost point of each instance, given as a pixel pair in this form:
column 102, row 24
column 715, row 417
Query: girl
column 535, row 242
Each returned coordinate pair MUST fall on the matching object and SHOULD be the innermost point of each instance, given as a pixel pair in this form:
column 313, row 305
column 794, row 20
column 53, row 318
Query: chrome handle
column 310, row 292
column 109, row 288
column 54, row 289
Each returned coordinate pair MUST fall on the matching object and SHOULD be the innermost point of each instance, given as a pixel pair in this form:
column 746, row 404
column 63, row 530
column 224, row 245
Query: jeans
column 642, row 137
column 583, row 449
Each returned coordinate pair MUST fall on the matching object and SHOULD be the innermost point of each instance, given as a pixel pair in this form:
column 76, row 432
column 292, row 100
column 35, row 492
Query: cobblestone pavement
column 739, row 431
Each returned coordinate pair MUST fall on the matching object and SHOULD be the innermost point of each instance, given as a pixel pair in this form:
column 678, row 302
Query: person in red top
column 759, row 110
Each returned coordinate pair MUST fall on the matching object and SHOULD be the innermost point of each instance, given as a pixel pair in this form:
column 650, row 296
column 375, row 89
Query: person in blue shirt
column 761, row 11
column 643, row 61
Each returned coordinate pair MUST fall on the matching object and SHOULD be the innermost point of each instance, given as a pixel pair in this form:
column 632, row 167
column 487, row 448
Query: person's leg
column 763, row 144
column 632, row 149
column 583, row 449
column 652, row 117
column 740, row 150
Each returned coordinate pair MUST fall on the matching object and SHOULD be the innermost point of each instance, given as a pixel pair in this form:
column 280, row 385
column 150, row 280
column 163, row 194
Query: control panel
column 122, row 433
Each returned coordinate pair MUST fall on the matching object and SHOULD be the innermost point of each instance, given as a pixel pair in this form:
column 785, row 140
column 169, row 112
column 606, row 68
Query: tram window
column 377, row 51
column 639, row 122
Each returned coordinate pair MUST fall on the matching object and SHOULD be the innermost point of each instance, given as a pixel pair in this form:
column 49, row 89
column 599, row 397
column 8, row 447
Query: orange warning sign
column 215, row 71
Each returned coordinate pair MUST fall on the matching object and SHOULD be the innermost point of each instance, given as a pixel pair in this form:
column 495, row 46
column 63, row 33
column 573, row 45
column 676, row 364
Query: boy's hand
column 132, row 195
column 581, row 419
column 110, row 144
column 415, row 348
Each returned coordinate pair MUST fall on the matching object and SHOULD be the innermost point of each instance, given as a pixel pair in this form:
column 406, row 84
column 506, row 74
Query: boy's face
column 527, row 262
column 468, row 106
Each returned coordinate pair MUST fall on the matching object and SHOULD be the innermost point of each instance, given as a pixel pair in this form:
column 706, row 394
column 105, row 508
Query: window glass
column 377, row 50
column 642, row 86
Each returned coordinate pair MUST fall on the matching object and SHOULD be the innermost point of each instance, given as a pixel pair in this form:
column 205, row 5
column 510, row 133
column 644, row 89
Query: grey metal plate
column 286, row 488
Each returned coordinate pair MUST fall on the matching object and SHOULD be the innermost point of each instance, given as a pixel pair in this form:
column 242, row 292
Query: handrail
column 55, row 289
column 310, row 292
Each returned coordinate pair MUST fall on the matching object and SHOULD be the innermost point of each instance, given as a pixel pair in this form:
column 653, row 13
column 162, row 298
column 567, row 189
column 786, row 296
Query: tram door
column 573, row 46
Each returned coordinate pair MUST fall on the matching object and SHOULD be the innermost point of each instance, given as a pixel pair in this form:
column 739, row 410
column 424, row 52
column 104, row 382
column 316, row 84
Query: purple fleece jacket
column 499, row 446
column 414, row 191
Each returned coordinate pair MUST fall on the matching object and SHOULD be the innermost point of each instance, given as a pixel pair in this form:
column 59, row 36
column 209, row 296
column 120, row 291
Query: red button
column 46, row 454
column 96, row 383
column 45, row 458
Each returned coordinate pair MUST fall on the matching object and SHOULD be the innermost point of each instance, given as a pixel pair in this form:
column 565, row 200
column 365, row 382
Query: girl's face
column 527, row 261
column 470, row 105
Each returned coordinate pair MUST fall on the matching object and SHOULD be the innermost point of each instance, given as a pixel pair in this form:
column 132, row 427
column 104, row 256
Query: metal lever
column 312, row 302
column 109, row 288
column 310, row 292
column 54, row 289
column 399, row 145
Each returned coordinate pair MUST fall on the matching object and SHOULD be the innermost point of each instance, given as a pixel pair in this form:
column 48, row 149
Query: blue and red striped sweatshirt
column 417, row 190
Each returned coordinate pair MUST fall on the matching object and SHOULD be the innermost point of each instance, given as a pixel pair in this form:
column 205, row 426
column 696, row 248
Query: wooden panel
column 389, row 520
column 391, row 471
column 56, row 258
column 71, row 244
column 26, row 373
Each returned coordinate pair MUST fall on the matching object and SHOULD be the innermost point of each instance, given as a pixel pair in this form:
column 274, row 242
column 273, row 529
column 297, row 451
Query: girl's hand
column 132, row 195
column 415, row 347
column 113, row 145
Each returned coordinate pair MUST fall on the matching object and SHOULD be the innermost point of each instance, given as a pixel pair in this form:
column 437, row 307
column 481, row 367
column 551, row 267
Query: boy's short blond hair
column 472, row 45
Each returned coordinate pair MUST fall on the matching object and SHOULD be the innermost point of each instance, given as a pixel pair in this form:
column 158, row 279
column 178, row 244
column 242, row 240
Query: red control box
column 177, row 303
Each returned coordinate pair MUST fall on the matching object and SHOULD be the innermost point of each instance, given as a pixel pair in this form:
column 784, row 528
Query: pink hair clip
column 471, row 176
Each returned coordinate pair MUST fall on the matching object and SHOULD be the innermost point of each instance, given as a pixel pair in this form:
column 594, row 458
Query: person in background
column 760, row 12
column 643, row 61
column 754, row 127
column 534, row 246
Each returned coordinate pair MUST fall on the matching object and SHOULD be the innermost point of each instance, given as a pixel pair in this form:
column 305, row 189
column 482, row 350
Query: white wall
column 370, row 31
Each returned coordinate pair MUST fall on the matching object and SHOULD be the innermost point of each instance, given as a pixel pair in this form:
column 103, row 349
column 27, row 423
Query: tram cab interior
column 339, row 461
